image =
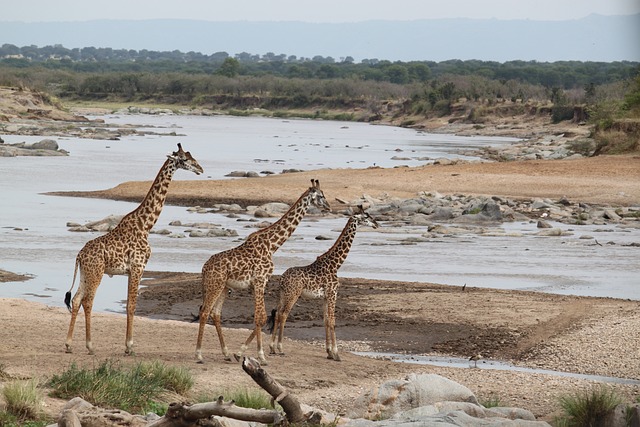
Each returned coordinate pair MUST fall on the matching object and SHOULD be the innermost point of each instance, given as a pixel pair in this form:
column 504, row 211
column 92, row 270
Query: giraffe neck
column 336, row 255
column 144, row 217
column 277, row 233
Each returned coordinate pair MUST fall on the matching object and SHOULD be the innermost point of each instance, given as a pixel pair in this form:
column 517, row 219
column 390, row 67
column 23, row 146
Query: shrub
column 23, row 399
column 588, row 408
column 134, row 389
column 583, row 146
column 243, row 396
column 492, row 401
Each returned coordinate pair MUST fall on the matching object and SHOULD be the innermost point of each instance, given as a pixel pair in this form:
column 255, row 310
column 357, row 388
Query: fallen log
column 279, row 394
column 184, row 415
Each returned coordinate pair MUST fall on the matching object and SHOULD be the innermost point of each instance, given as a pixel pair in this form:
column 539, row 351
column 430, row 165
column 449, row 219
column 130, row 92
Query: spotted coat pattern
column 123, row 250
column 318, row 280
column 249, row 266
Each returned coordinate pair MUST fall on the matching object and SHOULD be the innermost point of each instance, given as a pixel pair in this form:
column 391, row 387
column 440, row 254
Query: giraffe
column 249, row 266
column 317, row 280
column 123, row 250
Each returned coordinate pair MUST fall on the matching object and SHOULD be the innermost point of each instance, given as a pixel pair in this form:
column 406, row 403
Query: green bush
column 137, row 388
column 588, row 408
column 23, row 399
column 560, row 113
column 242, row 396
column 492, row 401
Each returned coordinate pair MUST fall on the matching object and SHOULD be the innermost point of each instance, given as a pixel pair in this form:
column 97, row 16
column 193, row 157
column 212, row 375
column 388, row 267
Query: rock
column 610, row 214
column 237, row 174
column 550, row 232
column 511, row 413
column 323, row 238
column 222, row 232
column 441, row 213
column 45, row 144
column 395, row 396
column 623, row 415
column 543, row 224
column 271, row 210
column 443, row 161
column 105, row 224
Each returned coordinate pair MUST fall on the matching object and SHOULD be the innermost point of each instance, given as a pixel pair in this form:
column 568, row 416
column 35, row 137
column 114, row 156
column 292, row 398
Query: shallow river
column 34, row 238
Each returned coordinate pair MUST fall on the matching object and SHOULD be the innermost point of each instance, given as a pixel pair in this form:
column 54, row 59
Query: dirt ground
column 574, row 334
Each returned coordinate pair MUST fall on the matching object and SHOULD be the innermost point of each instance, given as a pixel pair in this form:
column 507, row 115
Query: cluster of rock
column 430, row 400
column 434, row 207
column 441, row 215
column 548, row 147
column 45, row 147
column 425, row 400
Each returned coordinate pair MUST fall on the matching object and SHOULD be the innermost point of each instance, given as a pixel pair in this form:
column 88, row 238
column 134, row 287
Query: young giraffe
column 317, row 280
column 123, row 250
column 250, row 265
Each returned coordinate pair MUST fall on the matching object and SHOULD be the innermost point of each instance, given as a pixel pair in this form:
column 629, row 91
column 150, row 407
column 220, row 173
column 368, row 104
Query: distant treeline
column 563, row 74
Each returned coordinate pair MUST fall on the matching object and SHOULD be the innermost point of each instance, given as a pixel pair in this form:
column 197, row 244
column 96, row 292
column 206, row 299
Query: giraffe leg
column 331, row 345
column 87, row 287
column 281, row 320
column 260, row 319
column 211, row 302
column 75, row 308
column 274, row 332
column 135, row 275
column 217, row 314
column 87, row 306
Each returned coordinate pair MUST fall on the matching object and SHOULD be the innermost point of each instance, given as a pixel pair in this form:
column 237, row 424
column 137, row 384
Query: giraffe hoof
column 237, row 357
column 68, row 350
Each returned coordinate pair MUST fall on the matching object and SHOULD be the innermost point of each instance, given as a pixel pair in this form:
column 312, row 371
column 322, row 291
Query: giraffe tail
column 67, row 296
column 271, row 321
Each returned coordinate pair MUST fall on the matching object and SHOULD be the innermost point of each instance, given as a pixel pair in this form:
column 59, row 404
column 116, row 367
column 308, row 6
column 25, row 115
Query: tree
column 632, row 98
column 229, row 68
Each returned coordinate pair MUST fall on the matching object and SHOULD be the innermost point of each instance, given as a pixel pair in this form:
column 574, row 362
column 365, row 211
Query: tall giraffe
column 317, row 280
column 249, row 266
column 123, row 250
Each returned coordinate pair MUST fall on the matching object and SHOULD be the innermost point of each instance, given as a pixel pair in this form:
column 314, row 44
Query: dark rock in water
column 45, row 144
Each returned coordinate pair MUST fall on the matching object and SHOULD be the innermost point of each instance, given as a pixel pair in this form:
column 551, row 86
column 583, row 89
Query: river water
column 35, row 240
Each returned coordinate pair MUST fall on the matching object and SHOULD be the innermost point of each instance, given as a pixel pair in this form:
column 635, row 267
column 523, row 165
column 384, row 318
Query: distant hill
column 593, row 38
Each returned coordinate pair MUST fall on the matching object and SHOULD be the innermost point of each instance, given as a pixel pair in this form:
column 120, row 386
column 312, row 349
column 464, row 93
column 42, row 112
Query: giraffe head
column 363, row 218
column 184, row 160
column 317, row 196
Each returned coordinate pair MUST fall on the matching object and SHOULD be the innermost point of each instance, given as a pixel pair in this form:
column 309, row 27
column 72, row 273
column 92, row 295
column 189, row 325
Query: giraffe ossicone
column 123, row 250
column 317, row 280
column 250, row 265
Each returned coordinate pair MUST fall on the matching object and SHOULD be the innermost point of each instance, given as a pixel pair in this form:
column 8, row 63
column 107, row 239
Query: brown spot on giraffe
column 123, row 250
column 249, row 266
column 317, row 280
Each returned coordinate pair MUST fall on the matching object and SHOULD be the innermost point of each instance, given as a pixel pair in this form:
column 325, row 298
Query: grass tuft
column 492, row 401
column 588, row 408
column 134, row 389
column 23, row 399
column 242, row 396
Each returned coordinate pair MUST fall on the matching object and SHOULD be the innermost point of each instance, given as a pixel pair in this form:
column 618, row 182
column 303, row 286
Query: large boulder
column 415, row 391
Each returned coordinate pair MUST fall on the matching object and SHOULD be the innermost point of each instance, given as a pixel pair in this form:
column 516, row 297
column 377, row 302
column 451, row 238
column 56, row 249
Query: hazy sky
column 311, row 11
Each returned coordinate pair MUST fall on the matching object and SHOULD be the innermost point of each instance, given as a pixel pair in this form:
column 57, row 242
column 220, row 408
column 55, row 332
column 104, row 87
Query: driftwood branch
column 278, row 393
column 184, row 415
